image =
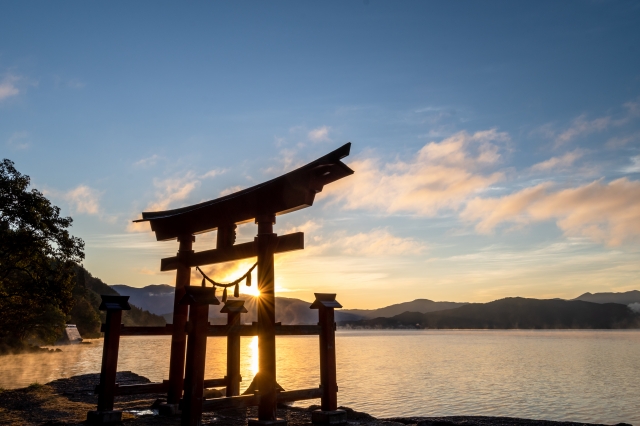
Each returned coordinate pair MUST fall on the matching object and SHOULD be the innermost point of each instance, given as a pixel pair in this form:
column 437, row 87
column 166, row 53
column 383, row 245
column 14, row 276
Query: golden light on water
column 253, row 353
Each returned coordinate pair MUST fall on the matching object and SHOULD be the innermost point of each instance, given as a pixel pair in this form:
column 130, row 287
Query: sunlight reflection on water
column 587, row 376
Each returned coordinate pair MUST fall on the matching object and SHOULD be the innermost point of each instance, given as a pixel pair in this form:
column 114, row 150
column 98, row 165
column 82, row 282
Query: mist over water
column 573, row 375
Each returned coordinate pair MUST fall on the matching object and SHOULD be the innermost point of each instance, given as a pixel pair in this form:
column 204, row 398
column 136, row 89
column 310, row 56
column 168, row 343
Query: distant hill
column 419, row 305
column 155, row 298
column 158, row 299
column 625, row 298
column 514, row 313
column 86, row 298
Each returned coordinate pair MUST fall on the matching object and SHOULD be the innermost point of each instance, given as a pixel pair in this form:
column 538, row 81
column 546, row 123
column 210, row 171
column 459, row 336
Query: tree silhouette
column 37, row 259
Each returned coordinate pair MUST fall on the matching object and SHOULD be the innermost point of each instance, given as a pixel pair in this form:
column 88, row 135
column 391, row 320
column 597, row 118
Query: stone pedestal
column 104, row 417
column 165, row 409
column 276, row 422
column 337, row 417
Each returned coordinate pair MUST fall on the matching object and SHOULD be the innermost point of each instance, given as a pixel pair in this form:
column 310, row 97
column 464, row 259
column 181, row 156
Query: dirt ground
column 67, row 401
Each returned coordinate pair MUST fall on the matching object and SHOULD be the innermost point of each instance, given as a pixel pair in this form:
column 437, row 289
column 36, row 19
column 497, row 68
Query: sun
column 251, row 291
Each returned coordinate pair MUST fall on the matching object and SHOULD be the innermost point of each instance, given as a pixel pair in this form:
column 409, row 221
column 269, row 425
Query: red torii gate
column 262, row 203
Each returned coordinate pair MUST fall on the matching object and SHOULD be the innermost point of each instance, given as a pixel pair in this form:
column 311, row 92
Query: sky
column 496, row 145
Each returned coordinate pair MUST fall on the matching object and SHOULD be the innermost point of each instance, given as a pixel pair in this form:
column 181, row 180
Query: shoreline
column 66, row 402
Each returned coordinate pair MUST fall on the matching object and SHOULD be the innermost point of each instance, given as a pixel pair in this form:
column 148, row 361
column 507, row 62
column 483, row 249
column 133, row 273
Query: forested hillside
column 514, row 313
column 85, row 313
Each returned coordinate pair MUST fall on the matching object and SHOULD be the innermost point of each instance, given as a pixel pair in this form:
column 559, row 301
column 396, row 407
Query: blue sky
column 496, row 144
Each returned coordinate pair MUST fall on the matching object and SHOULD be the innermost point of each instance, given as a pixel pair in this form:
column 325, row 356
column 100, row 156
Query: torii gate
column 262, row 203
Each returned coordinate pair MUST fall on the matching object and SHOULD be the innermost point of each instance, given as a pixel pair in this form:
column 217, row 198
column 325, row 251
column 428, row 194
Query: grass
column 35, row 386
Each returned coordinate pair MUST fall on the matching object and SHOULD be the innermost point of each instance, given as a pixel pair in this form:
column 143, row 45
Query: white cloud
column 608, row 213
column 441, row 176
column 213, row 173
column 168, row 191
column 83, row 199
column 147, row 162
column 320, row 134
column 558, row 162
column 618, row 142
column 18, row 141
column 580, row 127
column 634, row 167
column 378, row 242
column 231, row 190
column 8, row 86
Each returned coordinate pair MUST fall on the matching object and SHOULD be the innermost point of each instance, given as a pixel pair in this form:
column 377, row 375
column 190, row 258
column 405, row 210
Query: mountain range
column 514, row 313
column 158, row 299
column 585, row 311
column 625, row 298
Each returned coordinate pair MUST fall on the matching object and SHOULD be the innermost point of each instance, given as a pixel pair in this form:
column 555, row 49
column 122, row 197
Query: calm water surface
column 586, row 376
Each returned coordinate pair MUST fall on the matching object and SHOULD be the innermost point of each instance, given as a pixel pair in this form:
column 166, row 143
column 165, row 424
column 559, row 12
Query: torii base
column 337, row 417
column 276, row 422
column 104, row 417
column 165, row 409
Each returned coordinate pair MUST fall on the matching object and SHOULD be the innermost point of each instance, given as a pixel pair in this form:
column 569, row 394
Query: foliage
column 37, row 261
column 142, row 318
column 85, row 314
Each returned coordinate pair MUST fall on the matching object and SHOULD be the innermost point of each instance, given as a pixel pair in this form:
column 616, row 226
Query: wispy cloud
column 608, row 213
column 231, row 190
column 148, row 161
column 581, row 126
column 634, row 167
column 377, row 242
column 168, row 192
column 620, row 141
column 213, row 173
column 9, row 86
column 18, row 141
column 84, row 199
column 441, row 176
column 561, row 162
column 320, row 134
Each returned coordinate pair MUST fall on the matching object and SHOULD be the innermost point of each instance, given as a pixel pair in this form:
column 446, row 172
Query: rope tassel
column 235, row 284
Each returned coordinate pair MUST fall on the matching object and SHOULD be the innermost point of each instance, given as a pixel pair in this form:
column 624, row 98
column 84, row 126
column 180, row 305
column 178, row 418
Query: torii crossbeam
column 261, row 203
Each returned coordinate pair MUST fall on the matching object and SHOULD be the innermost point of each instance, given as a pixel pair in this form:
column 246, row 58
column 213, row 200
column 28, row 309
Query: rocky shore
column 66, row 402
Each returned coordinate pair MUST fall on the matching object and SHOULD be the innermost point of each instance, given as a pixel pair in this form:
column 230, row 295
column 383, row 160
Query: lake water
column 584, row 376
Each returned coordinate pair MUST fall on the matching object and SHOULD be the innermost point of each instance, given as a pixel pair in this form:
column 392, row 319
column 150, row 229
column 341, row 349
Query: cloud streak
column 441, row 176
column 83, row 199
column 561, row 162
column 18, row 141
column 8, row 86
column 320, row 134
column 581, row 126
column 604, row 212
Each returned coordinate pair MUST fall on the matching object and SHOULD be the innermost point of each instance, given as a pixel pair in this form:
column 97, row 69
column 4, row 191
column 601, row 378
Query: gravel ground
column 66, row 402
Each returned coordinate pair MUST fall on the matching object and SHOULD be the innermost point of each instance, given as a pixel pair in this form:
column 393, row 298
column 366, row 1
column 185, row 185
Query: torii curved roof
column 289, row 192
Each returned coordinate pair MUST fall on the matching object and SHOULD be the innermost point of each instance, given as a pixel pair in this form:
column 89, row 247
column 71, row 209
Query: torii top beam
column 287, row 193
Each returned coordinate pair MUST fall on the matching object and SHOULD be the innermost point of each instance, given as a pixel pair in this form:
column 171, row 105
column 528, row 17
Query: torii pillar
column 267, row 387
